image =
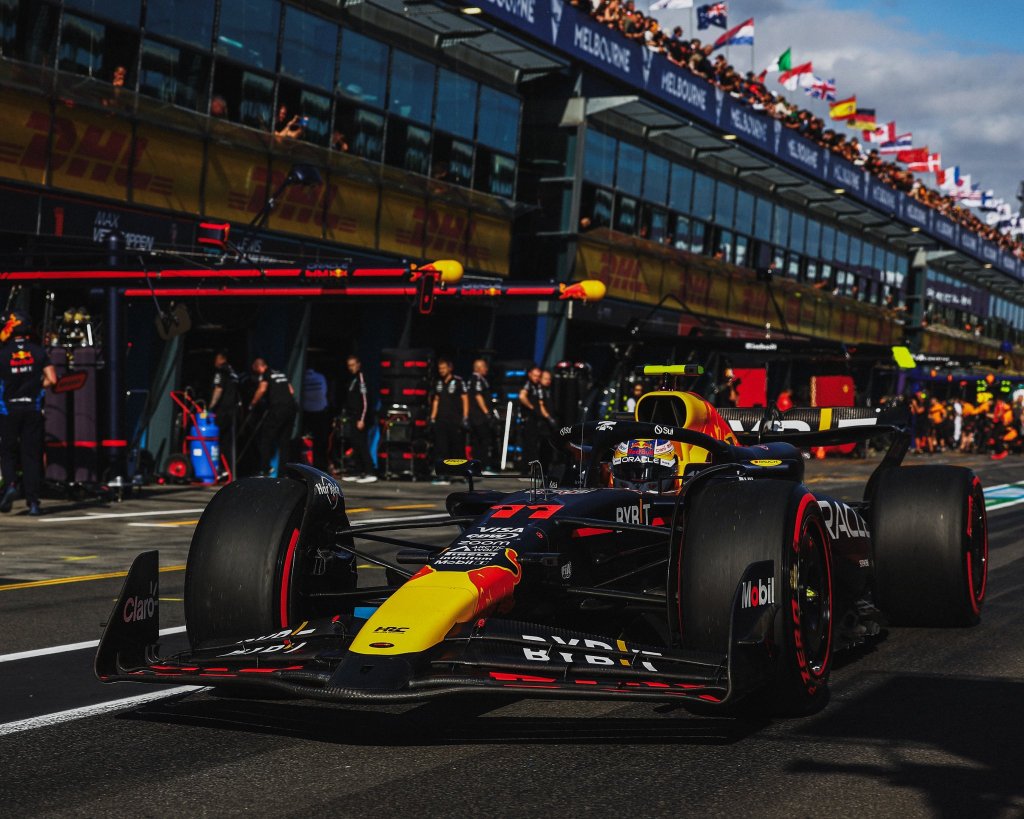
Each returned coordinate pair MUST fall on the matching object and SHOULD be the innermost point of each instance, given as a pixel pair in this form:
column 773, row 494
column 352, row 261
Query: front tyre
column 730, row 525
column 930, row 535
column 241, row 576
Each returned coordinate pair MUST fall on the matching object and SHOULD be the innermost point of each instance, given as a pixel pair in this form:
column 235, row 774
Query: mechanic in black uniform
column 25, row 372
column 535, row 416
column 278, row 396
column 225, row 404
column 481, row 417
column 449, row 415
column 357, row 427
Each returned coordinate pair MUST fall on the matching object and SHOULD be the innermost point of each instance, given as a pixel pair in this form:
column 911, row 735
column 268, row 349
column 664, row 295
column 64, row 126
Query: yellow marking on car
column 767, row 462
column 365, row 566
column 622, row 647
column 172, row 599
column 300, row 627
column 71, row 558
column 825, row 421
column 84, row 578
column 410, row 506
column 418, row 615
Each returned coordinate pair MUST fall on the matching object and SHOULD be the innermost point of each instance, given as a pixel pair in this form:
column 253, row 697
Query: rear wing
column 813, row 426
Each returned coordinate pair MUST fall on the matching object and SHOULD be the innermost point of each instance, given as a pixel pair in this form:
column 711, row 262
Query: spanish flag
column 844, row 109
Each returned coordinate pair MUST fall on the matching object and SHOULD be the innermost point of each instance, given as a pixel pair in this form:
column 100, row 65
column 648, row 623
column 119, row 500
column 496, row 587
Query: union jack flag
column 821, row 89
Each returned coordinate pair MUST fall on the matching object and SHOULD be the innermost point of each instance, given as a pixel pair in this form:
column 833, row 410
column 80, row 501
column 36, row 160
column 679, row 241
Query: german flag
column 863, row 120
column 844, row 109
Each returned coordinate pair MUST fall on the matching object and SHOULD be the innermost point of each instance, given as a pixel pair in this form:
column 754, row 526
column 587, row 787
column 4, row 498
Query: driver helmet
column 646, row 464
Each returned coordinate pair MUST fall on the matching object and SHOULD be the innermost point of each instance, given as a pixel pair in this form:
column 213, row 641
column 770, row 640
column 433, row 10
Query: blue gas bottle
column 204, row 447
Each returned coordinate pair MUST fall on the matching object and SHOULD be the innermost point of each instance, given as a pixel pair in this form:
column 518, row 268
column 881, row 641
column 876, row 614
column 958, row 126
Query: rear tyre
column 242, row 577
column 930, row 536
column 730, row 525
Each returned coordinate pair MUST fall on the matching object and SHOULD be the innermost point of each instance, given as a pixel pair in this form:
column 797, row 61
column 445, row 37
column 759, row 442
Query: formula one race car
column 685, row 560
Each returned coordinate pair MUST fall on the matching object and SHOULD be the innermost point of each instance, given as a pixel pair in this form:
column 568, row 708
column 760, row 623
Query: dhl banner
column 626, row 274
column 24, row 136
column 168, row 170
column 414, row 227
column 351, row 213
column 401, row 224
column 236, row 183
column 92, row 153
column 489, row 244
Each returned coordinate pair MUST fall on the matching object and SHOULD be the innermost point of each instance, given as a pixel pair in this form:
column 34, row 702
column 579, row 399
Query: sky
column 949, row 71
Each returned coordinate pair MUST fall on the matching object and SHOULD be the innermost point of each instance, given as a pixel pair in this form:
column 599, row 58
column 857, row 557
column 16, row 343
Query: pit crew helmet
column 646, row 464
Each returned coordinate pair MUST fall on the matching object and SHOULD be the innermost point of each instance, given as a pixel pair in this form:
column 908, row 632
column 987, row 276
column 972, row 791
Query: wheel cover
column 811, row 601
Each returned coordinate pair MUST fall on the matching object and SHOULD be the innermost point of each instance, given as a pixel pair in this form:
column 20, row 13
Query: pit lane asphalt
column 926, row 722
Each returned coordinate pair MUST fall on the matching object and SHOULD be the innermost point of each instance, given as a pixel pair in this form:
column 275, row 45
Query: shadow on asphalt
column 968, row 730
column 450, row 721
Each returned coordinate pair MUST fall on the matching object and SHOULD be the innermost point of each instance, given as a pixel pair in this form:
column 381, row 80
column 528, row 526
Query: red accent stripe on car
column 286, row 575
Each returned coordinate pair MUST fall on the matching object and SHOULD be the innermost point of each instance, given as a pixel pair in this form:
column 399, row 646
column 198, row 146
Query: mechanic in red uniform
column 25, row 372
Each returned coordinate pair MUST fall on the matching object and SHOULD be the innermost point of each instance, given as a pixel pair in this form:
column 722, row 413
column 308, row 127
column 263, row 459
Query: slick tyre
column 930, row 536
column 241, row 576
column 733, row 524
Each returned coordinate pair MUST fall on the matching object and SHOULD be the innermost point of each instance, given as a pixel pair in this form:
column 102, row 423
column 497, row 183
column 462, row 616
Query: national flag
column 821, row 89
column 659, row 5
column 951, row 179
column 783, row 62
column 903, row 142
column 799, row 75
column 933, row 162
column 989, row 201
column 844, row 109
column 713, row 14
column 743, row 34
column 863, row 120
column 912, row 155
column 883, row 133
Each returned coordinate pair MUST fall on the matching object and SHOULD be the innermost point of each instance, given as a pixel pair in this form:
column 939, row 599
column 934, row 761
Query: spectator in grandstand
column 219, row 107
column 292, row 128
column 338, row 141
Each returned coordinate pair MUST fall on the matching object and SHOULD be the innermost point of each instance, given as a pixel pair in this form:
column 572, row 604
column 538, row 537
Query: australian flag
column 713, row 14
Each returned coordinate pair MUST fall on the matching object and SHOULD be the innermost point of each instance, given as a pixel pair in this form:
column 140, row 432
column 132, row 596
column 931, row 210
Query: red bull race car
column 682, row 558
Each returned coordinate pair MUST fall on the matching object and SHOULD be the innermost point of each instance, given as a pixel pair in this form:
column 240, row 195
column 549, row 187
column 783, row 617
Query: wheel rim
column 813, row 593
column 976, row 556
column 176, row 468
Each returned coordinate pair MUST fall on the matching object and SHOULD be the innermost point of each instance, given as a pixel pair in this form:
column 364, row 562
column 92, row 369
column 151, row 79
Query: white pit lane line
column 114, row 515
column 42, row 652
column 58, row 717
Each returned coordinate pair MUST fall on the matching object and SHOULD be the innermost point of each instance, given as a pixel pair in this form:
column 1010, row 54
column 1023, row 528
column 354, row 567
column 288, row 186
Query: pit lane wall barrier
column 557, row 24
column 229, row 173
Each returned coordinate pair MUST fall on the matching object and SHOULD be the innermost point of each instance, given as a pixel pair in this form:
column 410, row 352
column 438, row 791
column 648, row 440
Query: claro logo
column 137, row 609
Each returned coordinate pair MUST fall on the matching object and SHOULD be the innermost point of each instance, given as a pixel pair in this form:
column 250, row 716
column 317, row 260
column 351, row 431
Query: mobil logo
column 755, row 593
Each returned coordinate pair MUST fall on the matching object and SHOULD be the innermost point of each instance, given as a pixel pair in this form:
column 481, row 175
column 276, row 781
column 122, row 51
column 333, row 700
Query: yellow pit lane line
column 57, row 581
column 411, row 506
column 72, row 558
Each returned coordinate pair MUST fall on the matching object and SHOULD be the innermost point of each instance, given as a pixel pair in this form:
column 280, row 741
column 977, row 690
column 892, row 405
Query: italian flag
column 783, row 62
